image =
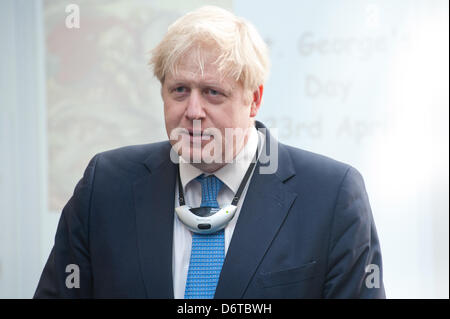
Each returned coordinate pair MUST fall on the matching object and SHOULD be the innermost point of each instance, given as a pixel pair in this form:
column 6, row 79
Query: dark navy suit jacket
column 305, row 231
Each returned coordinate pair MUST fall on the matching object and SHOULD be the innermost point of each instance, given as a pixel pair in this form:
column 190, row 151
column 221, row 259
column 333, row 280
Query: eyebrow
column 201, row 83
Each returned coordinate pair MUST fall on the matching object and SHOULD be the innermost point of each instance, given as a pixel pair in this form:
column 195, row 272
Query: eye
column 179, row 92
column 213, row 92
column 180, row 89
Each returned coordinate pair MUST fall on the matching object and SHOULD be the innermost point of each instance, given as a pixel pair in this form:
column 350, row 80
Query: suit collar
column 160, row 157
column 265, row 208
column 273, row 158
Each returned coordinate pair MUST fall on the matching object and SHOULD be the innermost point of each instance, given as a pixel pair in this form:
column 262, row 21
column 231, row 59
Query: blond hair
column 242, row 53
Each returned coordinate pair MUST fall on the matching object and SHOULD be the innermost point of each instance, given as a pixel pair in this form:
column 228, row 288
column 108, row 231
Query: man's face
column 214, row 102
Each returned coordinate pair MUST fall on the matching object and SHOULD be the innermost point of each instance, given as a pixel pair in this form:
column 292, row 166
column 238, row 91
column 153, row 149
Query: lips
column 193, row 133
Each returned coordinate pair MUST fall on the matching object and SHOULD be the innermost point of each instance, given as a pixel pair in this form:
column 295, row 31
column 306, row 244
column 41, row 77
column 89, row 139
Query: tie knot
column 211, row 186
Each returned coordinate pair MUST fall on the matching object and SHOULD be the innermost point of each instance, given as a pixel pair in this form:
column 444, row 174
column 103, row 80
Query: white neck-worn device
column 208, row 220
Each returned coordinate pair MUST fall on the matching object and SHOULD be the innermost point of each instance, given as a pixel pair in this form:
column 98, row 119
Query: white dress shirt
column 231, row 175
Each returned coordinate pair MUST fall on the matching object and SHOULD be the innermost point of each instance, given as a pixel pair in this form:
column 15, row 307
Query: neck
column 210, row 167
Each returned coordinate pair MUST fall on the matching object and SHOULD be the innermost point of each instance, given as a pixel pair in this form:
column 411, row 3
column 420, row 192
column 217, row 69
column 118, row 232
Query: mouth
column 197, row 134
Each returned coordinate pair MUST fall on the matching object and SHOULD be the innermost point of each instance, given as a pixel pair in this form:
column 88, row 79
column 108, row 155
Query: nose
column 195, row 109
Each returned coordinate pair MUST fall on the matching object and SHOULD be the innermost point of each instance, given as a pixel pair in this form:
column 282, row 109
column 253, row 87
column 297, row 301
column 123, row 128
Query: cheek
column 167, row 113
column 240, row 115
column 172, row 113
column 220, row 118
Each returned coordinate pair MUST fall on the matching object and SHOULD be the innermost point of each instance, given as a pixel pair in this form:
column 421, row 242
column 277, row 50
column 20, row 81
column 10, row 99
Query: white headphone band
column 209, row 220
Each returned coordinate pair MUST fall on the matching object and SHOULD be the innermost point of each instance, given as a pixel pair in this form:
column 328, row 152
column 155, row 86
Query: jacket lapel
column 264, row 210
column 154, row 203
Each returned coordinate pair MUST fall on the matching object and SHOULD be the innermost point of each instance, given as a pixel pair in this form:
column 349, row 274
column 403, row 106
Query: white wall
column 366, row 82
column 22, row 145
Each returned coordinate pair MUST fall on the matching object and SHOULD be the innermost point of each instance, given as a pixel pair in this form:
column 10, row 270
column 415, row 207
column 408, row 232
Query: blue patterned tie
column 208, row 250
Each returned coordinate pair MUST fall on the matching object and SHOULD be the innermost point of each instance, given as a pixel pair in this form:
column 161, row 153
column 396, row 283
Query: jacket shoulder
column 133, row 158
column 305, row 159
column 316, row 168
column 136, row 153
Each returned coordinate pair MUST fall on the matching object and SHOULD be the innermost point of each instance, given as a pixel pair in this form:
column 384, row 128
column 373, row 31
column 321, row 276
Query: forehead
column 200, row 67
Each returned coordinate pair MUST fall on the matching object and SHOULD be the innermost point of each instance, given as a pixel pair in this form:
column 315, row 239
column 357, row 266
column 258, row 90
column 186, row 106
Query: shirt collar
column 232, row 173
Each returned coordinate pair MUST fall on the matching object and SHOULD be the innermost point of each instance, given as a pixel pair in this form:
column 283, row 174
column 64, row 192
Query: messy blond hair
column 242, row 53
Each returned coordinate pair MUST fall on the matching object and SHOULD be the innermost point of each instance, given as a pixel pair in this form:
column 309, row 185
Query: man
column 146, row 221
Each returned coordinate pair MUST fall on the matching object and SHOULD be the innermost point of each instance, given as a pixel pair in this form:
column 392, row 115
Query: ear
column 256, row 102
